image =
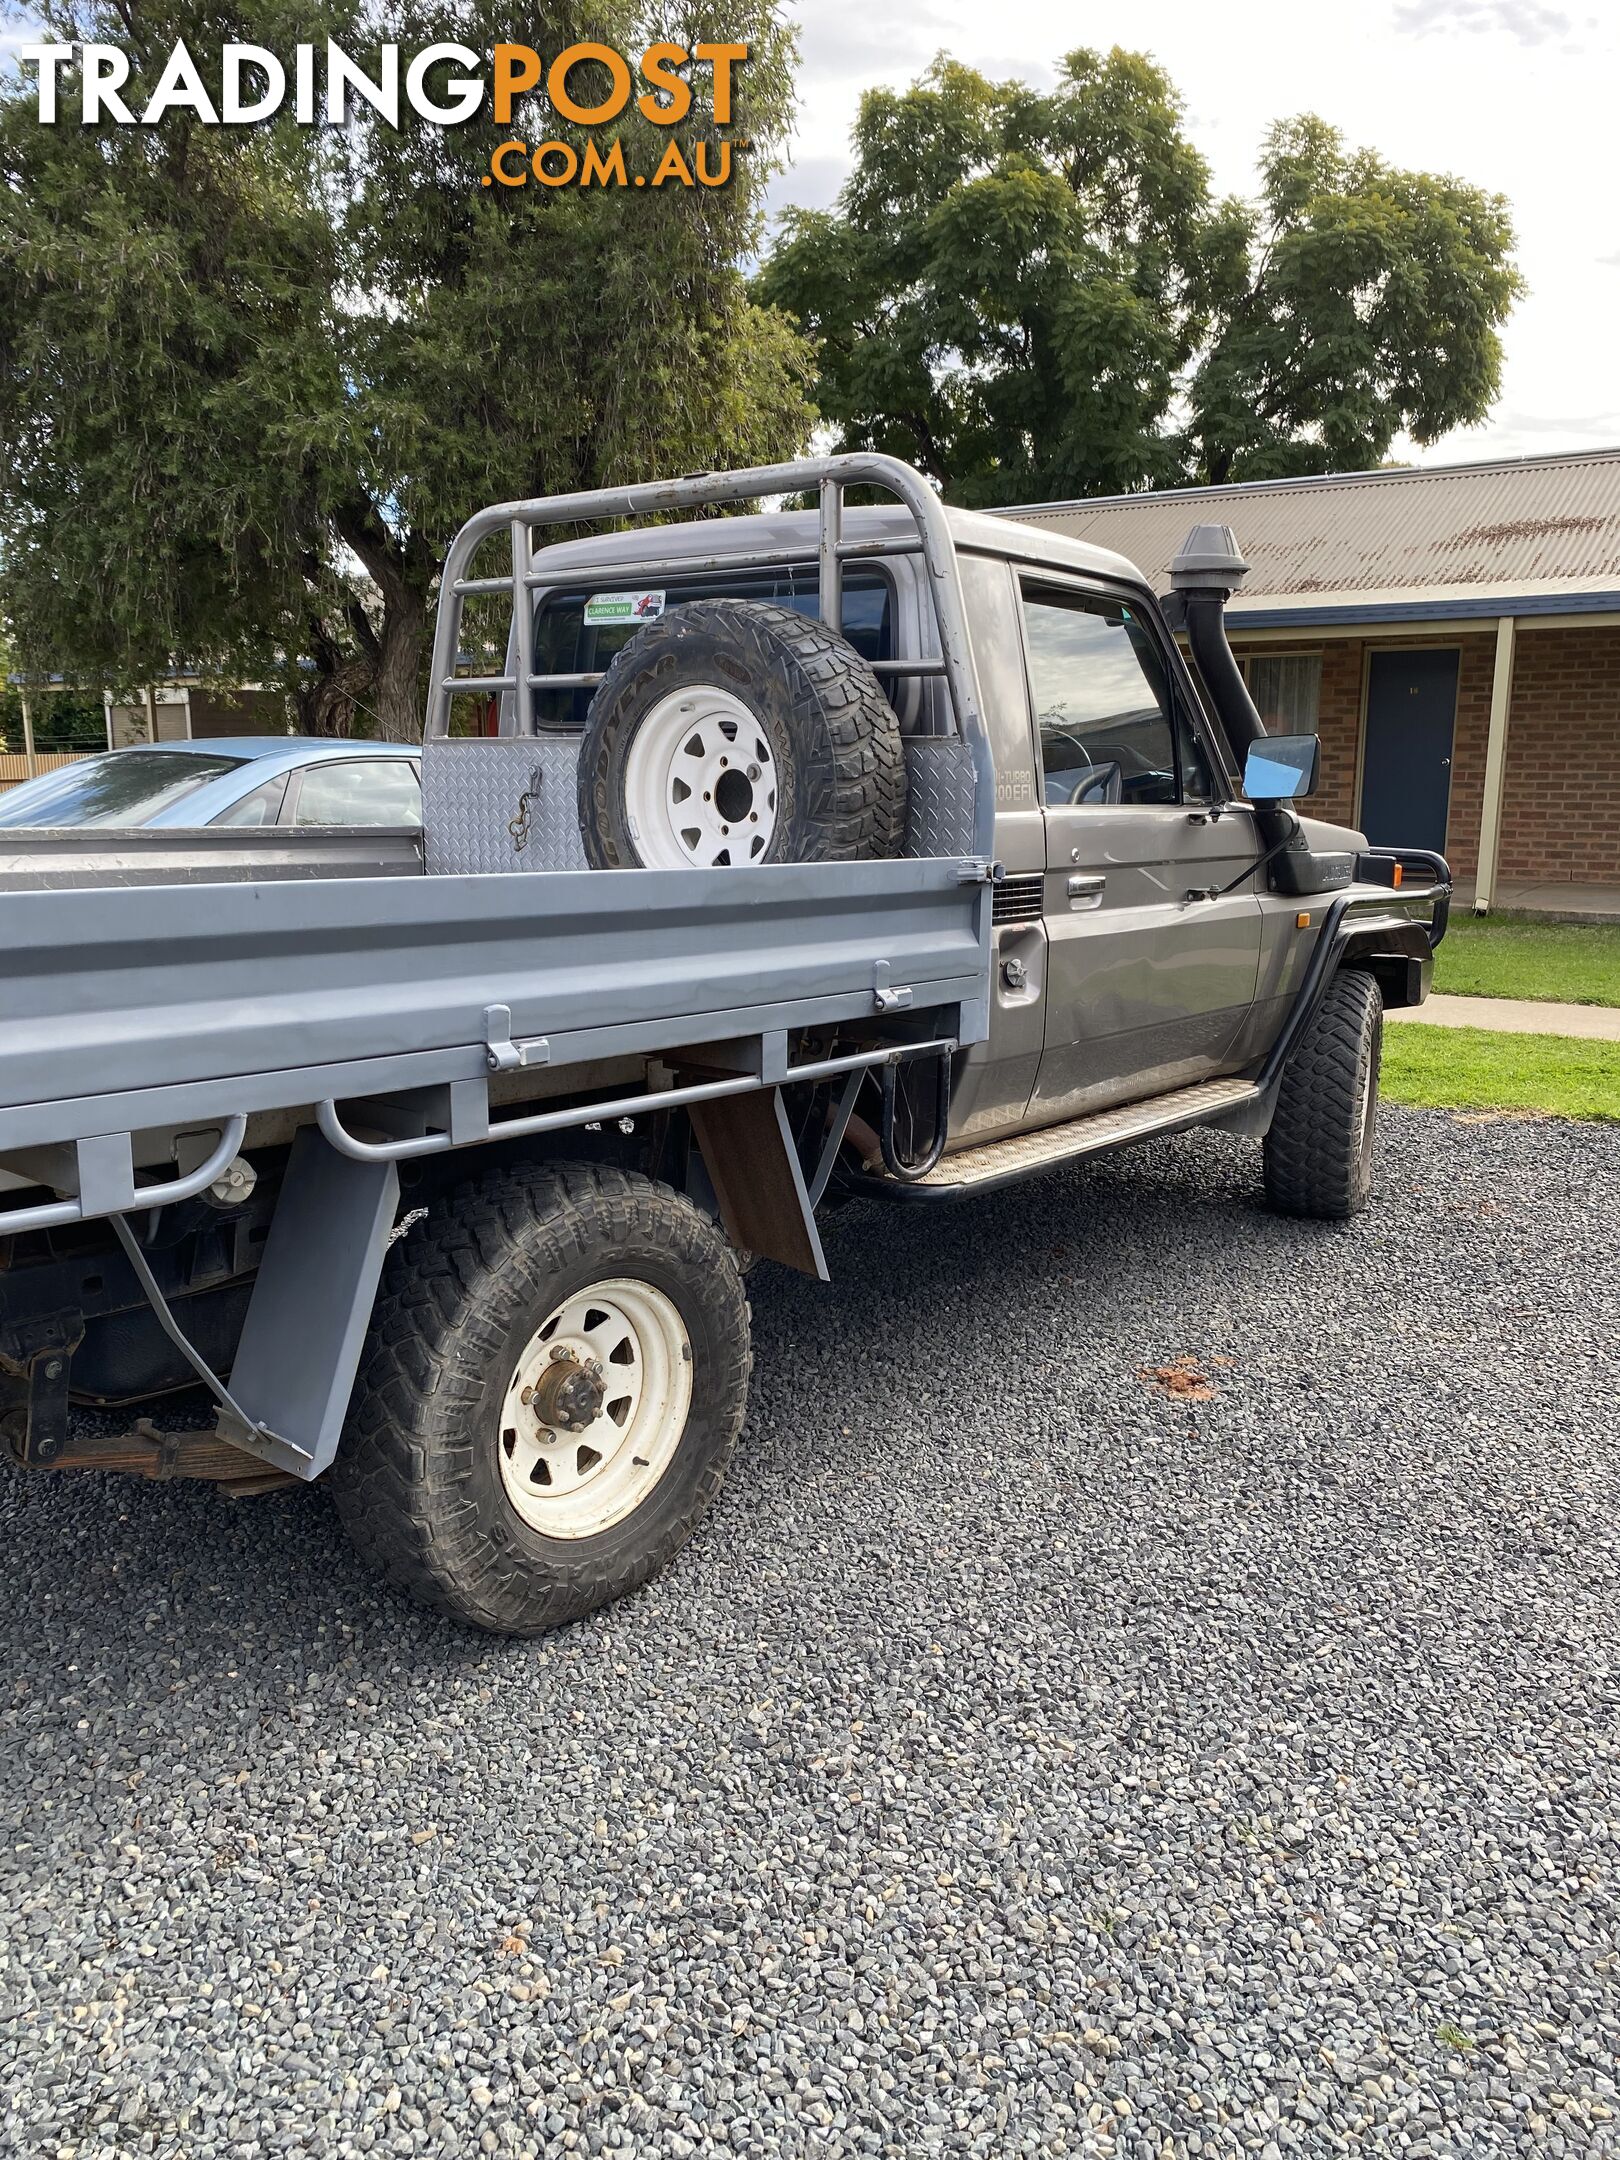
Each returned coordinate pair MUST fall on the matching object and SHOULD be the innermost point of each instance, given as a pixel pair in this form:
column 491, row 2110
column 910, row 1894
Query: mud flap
column 311, row 1305
column 754, row 1168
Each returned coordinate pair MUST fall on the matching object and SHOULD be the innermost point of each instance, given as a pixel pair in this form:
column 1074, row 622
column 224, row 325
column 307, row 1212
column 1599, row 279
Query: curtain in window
column 1287, row 691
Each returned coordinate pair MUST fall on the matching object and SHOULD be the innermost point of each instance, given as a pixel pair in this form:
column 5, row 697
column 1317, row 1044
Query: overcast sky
column 1510, row 94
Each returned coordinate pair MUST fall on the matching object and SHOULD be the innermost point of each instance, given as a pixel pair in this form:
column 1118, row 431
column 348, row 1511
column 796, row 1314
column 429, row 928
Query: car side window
column 362, row 791
column 262, row 807
column 1104, row 709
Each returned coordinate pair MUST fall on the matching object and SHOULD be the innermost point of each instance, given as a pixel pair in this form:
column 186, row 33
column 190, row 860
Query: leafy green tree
column 256, row 376
column 1034, row 294
column 163, row 352
column 1365, row 303
column 63, row 716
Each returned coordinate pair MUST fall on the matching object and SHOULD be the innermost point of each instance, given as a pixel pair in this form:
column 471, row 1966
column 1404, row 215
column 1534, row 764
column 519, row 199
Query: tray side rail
column 155, row 1012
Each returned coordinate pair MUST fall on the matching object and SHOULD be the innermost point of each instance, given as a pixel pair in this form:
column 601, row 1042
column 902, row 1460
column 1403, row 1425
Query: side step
column 1003, row 1162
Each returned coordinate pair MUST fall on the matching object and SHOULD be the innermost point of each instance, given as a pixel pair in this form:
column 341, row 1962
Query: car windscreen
column 126, row 787
column 566, row 644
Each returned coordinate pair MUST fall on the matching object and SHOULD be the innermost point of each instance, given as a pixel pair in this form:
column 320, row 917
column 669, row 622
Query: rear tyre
column 1319, row 1151
column 729, row 733
column 556, row 1378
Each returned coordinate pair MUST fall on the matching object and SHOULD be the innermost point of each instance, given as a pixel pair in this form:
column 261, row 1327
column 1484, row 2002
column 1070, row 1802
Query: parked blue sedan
column 237, row 780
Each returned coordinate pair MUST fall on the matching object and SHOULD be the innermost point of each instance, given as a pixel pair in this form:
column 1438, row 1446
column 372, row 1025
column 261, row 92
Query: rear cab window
column 566, row 644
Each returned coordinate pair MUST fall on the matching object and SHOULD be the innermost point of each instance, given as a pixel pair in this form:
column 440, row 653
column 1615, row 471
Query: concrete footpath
column 1516, row 1016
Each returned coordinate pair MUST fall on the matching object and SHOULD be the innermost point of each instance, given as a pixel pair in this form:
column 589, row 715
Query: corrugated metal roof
column 1527, row 524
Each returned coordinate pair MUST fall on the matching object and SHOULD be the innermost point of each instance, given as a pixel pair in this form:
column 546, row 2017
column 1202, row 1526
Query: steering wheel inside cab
column 1085, row 781
column 1087, row 784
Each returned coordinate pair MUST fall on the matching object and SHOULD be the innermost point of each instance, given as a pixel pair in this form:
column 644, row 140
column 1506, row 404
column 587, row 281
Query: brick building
column 1453, row 635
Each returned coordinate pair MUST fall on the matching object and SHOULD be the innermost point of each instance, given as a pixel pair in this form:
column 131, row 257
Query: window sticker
column 624, row 607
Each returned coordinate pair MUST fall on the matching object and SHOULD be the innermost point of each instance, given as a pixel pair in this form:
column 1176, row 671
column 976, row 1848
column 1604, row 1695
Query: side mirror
column 1280, row 767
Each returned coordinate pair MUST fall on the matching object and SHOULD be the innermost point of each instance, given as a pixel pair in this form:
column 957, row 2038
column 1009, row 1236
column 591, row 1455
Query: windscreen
column 126, row 787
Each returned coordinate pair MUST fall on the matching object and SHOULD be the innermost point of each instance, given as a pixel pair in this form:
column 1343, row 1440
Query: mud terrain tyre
column 1319, row 1151
column 735, row 732
column 600, row 1301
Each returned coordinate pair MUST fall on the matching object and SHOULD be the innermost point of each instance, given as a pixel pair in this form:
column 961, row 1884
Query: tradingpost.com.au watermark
column 590, row 86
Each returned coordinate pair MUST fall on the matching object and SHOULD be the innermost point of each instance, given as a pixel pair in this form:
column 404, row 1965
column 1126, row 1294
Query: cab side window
column 1105, row 710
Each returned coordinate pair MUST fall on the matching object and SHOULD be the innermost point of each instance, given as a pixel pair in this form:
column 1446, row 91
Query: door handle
column 1086, row 891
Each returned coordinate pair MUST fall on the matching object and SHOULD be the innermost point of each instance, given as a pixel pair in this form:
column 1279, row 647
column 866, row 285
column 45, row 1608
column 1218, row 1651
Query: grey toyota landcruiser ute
column 877, row 851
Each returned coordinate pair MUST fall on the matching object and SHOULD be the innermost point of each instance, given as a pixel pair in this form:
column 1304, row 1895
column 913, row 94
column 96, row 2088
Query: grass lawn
column 1443, row 1068
column 1517, row 956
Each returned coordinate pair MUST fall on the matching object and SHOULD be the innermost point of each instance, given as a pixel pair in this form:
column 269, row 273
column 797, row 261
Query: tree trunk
column 328, row 699
column 396, row 700
column 402, row 571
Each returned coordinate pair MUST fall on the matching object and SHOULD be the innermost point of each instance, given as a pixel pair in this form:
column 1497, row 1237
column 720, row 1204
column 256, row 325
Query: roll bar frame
column 828, row 478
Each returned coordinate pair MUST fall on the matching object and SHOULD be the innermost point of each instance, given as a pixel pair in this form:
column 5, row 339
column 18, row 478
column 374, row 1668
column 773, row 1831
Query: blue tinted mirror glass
column 1279, row 767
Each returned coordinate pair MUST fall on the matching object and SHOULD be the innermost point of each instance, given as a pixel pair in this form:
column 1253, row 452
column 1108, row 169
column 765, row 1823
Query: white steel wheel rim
column 700, row 783
column 573, row 1484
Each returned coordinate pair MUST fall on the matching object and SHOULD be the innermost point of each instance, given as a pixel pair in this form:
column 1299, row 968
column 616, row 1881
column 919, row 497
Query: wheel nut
column 526, row 1397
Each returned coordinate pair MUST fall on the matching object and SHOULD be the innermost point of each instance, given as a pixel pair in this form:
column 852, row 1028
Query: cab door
column 1147, row 987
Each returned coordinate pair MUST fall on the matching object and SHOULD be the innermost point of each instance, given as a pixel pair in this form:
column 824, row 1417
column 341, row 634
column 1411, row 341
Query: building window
column 1287, row 691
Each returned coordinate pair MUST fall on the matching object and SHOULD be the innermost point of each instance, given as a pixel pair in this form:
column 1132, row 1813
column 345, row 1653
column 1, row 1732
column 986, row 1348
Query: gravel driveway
column 1026, row 1760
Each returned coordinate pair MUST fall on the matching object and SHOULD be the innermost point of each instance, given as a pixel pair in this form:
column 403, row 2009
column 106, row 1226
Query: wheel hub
column 568, row 1396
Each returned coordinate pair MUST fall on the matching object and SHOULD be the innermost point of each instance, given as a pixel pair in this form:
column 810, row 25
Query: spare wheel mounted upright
column 734, row 732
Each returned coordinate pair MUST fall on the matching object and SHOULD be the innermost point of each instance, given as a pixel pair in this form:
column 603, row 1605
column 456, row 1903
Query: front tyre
column 556, row 1378
column 1319, row 1151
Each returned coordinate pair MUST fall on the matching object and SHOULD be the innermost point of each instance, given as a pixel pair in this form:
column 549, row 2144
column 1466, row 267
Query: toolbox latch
column 501, row 1053
column 887, row 1000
